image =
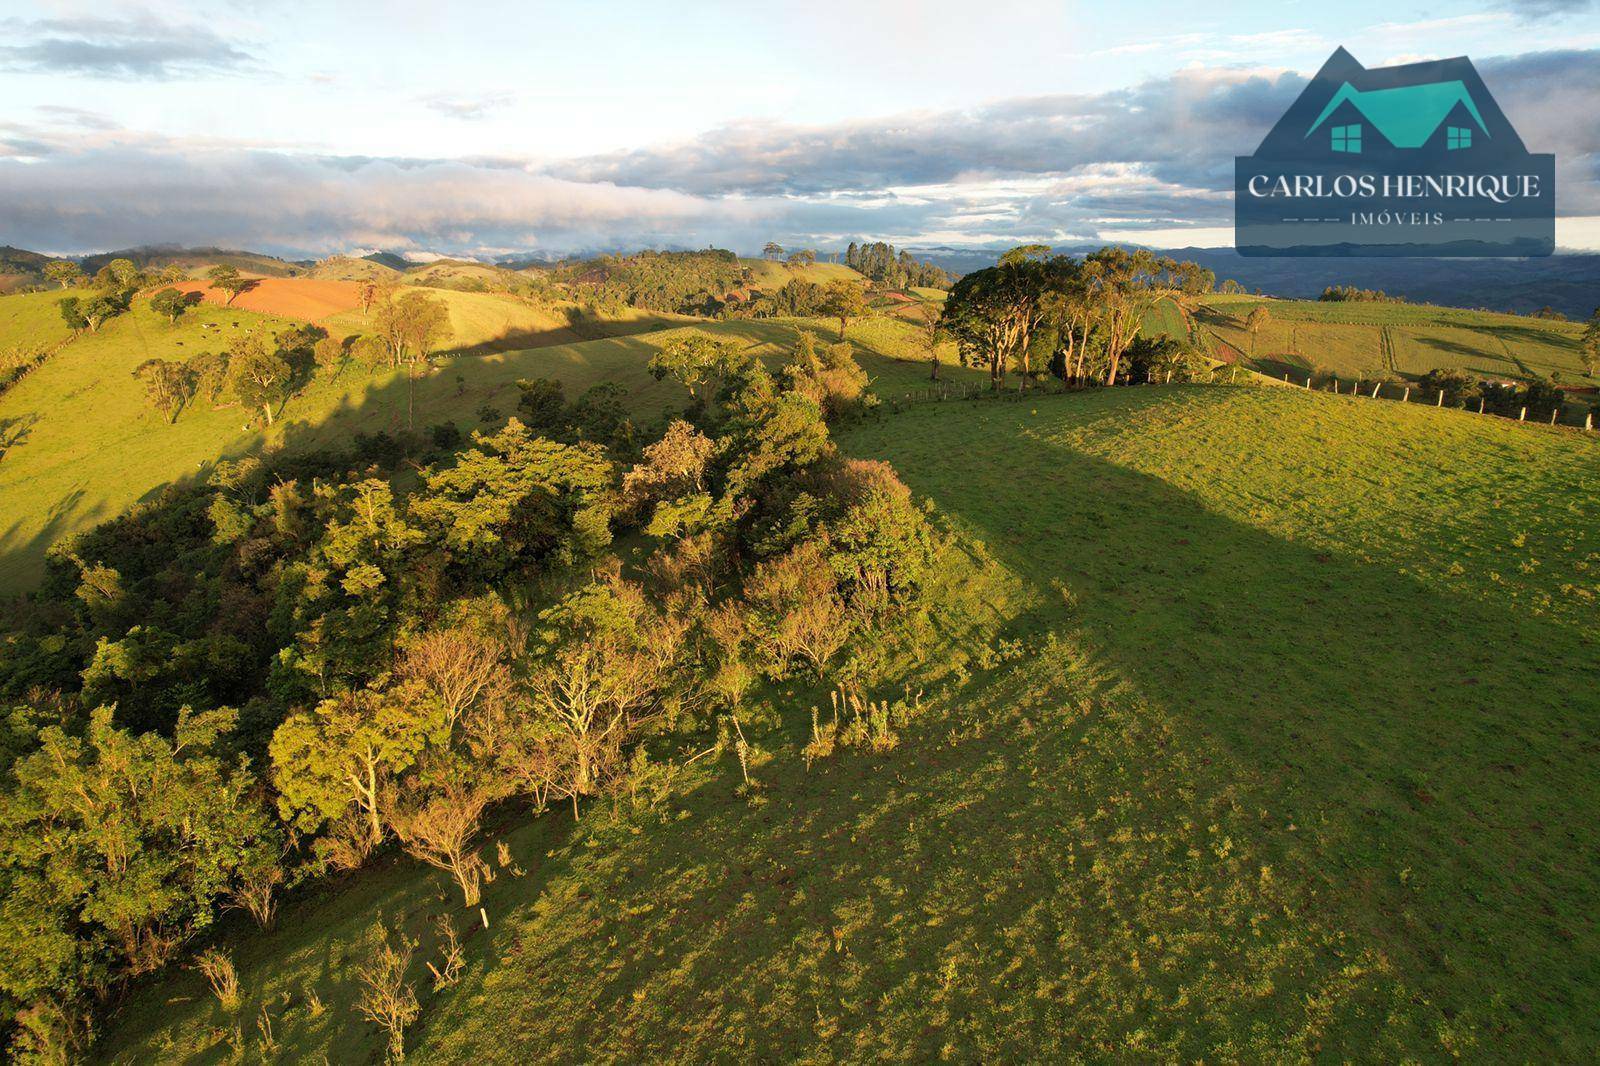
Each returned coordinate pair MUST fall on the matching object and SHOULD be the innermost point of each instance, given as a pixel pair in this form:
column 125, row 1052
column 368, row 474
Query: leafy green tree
column 169, row 302
column 597, row 672
column 1457, row 385
column 124, row 274
column 1125, row 287
column 330, row 353
column 115, row 849
column 344, row 598
column 228, row 279
column 1255, row 322
column 339, row 757
column 260, row 378
column 98, row 309
column 773, row 250
column 169, row 385
column 542, row 404
column 992, row 313
column 700, row 363
column 411, row 327
column 64, row 272
column 1590, row 346
column 516, row 500
column 210, row 370
column 72, row 314
column 845, row 301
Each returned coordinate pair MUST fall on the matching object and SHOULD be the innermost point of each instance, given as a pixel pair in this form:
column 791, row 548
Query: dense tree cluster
column 885, row 268
column 1351, row 294
column 310, row 658
column 676, row 282
column 1080, row 317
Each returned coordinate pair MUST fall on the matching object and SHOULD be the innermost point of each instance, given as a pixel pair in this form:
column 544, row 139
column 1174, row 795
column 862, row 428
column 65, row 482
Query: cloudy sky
column 490, row 128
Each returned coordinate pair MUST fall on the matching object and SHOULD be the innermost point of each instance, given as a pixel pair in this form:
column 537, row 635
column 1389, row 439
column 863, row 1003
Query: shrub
column 797, row 611
column 1458, row 386
column 220, row 974
column 386, row 999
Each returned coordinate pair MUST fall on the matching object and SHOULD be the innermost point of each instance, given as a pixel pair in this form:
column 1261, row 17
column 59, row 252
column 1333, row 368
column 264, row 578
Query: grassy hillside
column 1257, row 726
column 198, row 260
column 32, row 319
column 93, row 447
column 1372, row 339
column 349, row 268
column 461, row 274
column 766, row 274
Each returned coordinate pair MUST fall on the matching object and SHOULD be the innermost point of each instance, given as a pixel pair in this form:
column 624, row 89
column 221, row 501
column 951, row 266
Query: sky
column 491, row 129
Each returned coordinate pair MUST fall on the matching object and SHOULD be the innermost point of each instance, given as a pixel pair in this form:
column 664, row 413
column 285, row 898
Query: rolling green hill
column 197, row 260
column 767, row 274
column 92, row 447
column 349, row 268
column 1394, row 339
column 1257, row 725
column 32, row 320
column 461, row 274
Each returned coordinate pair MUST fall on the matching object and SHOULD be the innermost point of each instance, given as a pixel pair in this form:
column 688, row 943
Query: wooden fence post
column 1375, row 387
column 1588, row 422
column 1555, row 415
column 1480, row 405
column 1308, row 383
column 1407, row 396
column 1441, row 399
column 1523, row 417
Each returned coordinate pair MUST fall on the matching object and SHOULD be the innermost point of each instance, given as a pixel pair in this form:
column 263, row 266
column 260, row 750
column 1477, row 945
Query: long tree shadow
column 1434, row 749
column 1237, row 792
column 1256, row 796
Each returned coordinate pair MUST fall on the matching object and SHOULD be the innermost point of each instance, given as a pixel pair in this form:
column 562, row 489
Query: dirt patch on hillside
column 305, row 299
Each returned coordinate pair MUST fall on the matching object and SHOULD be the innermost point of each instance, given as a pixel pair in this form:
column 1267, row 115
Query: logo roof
column 1407, row 115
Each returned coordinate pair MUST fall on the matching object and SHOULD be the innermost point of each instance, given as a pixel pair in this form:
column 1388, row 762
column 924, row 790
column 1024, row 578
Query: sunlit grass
column 1258, row 726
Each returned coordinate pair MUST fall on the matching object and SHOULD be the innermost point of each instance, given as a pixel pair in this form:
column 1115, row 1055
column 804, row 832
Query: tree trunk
column 374, row 825
column 266, row 409
column 841, row 327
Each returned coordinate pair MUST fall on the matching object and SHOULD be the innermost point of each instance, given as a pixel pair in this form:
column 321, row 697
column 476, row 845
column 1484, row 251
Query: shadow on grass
column 1434, row 749
column 1257, row 796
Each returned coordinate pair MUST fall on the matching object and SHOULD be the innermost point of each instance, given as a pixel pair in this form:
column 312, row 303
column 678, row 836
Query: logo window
column 1458, row 137
column 1348, row 138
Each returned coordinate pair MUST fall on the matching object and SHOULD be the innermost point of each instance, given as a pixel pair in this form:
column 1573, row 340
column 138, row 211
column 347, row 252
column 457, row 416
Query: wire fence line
column 1401, row 392
column 1398, row 392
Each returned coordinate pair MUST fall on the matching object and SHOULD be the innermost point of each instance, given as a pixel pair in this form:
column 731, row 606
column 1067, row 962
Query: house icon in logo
column 1407, row 117
column 1416, row 159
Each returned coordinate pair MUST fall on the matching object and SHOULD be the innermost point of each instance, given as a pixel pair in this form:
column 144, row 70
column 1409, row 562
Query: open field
column 350, row 268
column 304, row 299
column 1368, row 339
column 1264, row 734
column 93, row 447
column 32, row 319
column 458, row 274
column 766, row 274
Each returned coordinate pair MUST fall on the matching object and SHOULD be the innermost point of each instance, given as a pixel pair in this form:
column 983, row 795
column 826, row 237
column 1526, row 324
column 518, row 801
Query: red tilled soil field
column 301, row 298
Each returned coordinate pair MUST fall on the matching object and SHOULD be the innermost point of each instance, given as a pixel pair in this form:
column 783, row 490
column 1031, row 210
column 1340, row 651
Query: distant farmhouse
column 1439, row 115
